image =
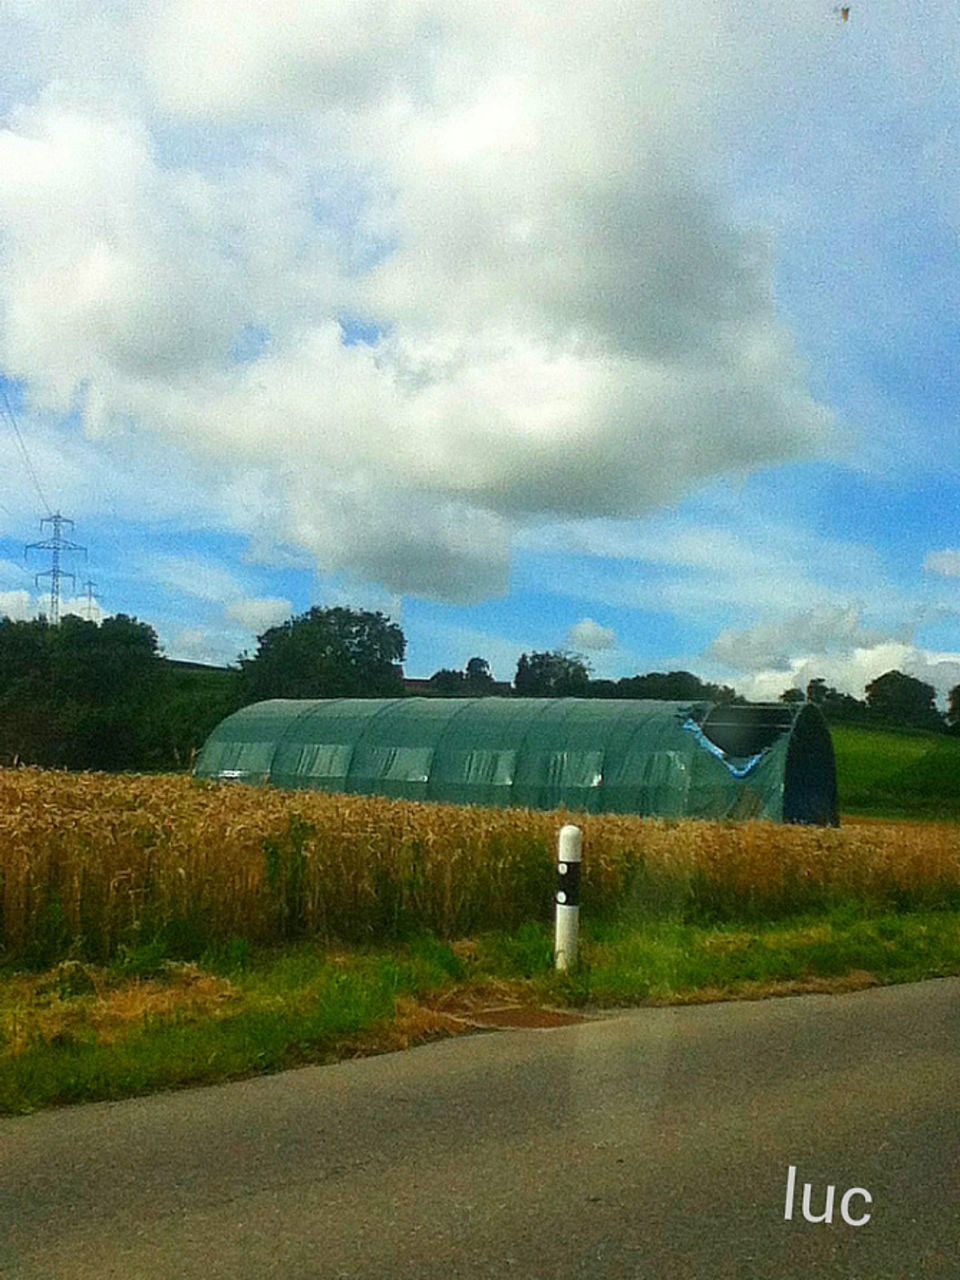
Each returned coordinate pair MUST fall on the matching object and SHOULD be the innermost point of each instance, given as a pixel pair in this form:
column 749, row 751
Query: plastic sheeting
column 668, row 759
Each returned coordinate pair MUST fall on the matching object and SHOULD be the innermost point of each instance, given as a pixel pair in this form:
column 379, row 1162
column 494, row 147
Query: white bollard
column 569, row 846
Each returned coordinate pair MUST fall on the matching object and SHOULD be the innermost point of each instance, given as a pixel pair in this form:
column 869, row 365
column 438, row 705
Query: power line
column 12, row 418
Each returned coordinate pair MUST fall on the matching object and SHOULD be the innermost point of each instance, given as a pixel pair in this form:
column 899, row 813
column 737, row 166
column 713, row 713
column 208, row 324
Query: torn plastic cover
column 738, row 768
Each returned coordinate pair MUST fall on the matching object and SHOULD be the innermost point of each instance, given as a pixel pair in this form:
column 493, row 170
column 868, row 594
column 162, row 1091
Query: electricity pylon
column 56, row 546
column 92, row 601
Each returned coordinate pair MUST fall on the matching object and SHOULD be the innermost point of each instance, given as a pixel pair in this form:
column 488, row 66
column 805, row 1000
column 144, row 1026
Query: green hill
column 197, row 698
column 897, row 773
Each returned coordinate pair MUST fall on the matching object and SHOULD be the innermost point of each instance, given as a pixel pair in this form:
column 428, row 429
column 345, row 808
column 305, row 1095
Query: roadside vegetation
column 158, row 932
column 80, row 1032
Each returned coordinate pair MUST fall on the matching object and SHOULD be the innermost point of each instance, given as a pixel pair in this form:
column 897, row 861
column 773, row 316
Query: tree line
column 87, row 695
column 893, row 699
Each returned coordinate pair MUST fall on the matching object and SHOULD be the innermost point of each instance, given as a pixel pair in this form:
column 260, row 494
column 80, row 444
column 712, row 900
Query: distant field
column 897, row 774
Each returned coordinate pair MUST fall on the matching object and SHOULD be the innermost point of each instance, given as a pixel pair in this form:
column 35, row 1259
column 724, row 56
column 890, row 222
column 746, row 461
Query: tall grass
column 97, row 866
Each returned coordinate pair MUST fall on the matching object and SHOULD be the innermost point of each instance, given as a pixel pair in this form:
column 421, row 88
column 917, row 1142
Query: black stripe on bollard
column 568, row 884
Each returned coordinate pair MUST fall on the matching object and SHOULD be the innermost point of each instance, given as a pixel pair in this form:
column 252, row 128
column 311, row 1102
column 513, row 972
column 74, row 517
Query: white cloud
column 117, row 272
column 201, row 644
column 803, row 594
column 573, row 322
column 852, row 670
column 126, row 477
column 90, row 610
column 264, row 61
column 589, row 635
column 203, row 579
column 257, row 613
column 17, row 605
column 775, row 644
column 11, row 571
column 746, row 565
column 194, row 576
column 946, row 563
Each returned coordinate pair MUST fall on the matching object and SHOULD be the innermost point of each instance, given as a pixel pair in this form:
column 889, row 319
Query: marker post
column 569, row 847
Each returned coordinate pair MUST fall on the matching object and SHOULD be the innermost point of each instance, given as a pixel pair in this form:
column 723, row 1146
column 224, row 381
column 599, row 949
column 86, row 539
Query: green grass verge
column 286, row 1008
column 300, row 1005
column 666, row 961
column 630, row 962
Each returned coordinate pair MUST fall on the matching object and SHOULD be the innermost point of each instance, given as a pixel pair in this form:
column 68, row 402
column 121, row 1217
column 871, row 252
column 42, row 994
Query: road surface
column 654, row 1143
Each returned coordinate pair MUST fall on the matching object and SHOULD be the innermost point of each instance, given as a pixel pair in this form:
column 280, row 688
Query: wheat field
column 93, row 863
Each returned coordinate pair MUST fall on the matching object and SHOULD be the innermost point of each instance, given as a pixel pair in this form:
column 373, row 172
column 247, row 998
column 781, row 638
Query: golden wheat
column 89, row 863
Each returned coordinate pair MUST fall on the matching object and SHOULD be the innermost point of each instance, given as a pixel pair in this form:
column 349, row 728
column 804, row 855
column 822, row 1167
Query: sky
column 622, row 328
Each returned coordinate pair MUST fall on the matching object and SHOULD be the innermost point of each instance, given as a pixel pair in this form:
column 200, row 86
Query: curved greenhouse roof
column 669, row 759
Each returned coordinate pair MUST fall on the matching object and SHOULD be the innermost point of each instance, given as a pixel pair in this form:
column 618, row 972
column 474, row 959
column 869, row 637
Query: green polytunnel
column 669, row 759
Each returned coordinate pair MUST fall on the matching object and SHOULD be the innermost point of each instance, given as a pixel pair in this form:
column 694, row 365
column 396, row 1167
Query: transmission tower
column 56, row 545
column 92, row 602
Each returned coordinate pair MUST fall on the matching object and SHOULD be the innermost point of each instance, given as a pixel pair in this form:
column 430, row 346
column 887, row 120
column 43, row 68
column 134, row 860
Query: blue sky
column 626, row 329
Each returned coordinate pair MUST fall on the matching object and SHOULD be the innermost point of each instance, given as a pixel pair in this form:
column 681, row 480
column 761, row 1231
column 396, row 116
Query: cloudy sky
column 622, row 327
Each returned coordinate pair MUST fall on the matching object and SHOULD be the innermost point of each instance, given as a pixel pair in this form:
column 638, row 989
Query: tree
column 793, row 696
column 554, row 674
column 674, row 686
column 817, row 690
column 112, row 673
column 81, row 695
column 26, row 677
column 478, row 678
column 96, row 660
column 953, row 706
column 900, row 699
column 449, row 683
column 836, row 706
column 473, row 682
column 326, row 653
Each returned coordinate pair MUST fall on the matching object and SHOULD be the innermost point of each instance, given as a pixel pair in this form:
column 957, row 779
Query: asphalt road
column 650, row 1144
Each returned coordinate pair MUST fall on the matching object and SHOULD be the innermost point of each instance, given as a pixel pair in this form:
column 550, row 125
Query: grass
column 79, row 1033
column 670, row 962
column 897, row 774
